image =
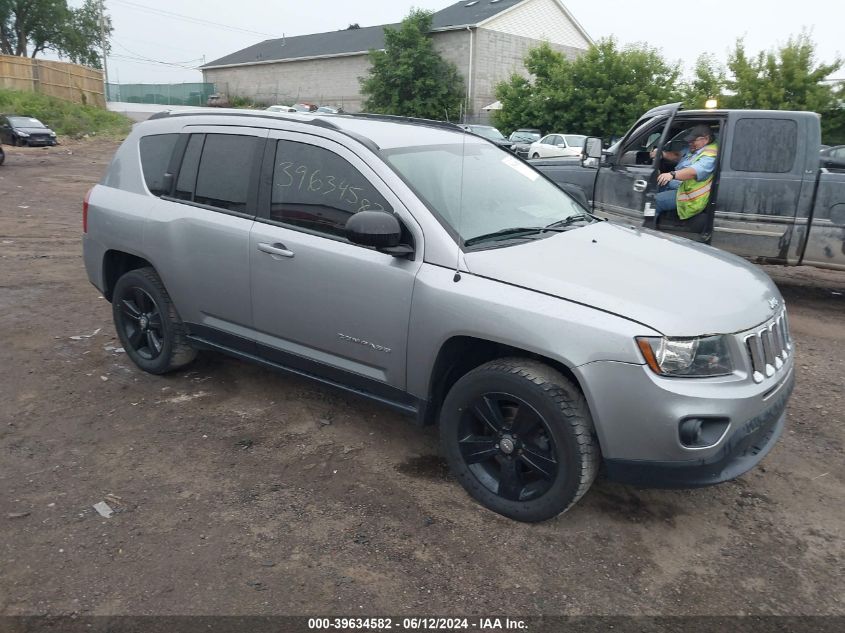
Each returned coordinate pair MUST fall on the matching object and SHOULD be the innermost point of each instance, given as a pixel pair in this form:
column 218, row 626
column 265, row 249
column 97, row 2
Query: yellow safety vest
column 693, row 195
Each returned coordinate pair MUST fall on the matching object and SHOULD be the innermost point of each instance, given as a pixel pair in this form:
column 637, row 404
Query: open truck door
column 627, row 181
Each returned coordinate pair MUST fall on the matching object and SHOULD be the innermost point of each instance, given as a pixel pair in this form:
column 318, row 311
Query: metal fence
column 70, row 82
column 194, row 94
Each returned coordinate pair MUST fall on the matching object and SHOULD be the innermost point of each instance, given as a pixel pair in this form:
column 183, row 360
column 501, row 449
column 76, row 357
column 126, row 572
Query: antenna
column 457, row 276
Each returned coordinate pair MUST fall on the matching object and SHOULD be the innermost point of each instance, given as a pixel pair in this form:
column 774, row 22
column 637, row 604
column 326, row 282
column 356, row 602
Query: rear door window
column 217, row 171
column 764, row 145
column 155, row 158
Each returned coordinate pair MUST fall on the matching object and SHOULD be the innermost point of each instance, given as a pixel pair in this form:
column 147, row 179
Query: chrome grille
column 768, row 347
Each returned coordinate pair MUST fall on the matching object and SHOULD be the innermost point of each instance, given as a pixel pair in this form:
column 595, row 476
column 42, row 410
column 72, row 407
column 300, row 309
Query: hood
column 34, row 130
column 677, row 287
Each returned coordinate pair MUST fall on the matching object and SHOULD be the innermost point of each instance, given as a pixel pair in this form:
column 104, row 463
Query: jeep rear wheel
column 519, row 437
column 147, row 323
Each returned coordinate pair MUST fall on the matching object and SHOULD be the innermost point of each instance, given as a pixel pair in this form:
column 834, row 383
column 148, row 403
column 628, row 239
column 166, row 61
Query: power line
column 158, row 61
column 188, row 18
column 132, row 60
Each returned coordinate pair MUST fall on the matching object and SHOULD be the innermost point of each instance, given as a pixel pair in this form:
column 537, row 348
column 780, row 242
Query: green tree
column 784, row 79
column 833, row 119
column 30, row 27
column 708, row 82
column 409, row 78
column 788, row 78
column 599, row 93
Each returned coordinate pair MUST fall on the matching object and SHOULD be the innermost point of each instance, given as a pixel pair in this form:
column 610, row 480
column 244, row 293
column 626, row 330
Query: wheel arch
column 459, row 355
column 116, row 264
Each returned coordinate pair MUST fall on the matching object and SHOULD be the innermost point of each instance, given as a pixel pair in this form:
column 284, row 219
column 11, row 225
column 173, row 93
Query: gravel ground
column 239, row 491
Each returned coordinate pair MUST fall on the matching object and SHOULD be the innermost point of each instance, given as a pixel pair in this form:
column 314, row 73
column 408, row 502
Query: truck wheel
column 519, row 438
column 535, row 155
column 147, row 323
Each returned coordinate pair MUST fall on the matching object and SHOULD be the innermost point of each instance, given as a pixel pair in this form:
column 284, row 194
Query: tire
column 535, row 155
column 534, row 458
column 147, row 323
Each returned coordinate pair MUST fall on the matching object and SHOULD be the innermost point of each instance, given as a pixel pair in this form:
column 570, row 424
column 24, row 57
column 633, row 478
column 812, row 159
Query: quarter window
column 155, row 157
column 764, row 145
column 317, row 190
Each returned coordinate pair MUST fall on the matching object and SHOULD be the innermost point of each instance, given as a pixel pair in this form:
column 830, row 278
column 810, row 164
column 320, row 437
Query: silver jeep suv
column 426, row 268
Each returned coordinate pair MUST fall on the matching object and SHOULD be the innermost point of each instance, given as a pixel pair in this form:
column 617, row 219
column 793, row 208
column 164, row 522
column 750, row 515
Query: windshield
column 487, row 132
column 528, row 137
column 22, row 121
column 575, row 140
column 499, row 190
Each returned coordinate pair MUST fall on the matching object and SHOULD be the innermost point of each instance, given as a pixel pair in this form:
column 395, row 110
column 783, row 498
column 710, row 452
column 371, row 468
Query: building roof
column 469, row 13
column 356, row 41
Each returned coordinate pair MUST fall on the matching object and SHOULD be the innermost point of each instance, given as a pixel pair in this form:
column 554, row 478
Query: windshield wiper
column 572, row 219
column 514, row 231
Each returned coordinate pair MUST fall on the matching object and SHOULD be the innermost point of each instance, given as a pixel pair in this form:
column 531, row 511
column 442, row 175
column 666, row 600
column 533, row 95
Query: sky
column 163, row 41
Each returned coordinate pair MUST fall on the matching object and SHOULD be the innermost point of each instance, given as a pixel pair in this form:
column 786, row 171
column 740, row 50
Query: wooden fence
column 70, row 82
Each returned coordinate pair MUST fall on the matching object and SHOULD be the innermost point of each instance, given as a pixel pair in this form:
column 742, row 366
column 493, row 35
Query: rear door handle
column 275, row 249
column 640, row 185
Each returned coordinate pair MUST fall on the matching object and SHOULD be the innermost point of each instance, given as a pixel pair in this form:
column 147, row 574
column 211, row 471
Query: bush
column 63, row 117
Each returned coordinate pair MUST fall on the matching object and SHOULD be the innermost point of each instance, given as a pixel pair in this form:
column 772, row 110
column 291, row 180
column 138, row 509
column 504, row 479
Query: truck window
column 764, row 145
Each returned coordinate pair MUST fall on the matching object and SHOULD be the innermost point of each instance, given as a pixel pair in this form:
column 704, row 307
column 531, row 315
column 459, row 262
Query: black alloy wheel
column 141, row 323
column 519, row 437
column 147, row 323
column 508, row 446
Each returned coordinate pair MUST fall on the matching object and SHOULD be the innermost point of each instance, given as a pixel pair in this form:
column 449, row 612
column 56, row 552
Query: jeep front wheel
column 519, row 437
column 147, row 323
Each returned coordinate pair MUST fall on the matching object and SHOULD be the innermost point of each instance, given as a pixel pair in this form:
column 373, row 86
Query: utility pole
column 103, row 45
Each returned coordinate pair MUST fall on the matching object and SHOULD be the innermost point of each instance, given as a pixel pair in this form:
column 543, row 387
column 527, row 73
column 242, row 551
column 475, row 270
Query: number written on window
column 315, row 189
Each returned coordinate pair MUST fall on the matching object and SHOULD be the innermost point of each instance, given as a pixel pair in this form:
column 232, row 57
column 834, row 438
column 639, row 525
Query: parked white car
column 281, row 108
column 553, row 145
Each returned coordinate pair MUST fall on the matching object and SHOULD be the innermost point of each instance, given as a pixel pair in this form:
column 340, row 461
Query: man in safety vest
column 686, row 189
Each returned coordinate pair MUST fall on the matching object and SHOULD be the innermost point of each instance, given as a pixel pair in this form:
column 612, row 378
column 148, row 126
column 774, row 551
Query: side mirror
column 592, row 147
column 378, row 229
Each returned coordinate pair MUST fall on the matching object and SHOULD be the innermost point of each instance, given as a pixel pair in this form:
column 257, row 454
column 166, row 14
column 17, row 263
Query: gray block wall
column 334, row 81
column 497, row 57
column 330, row 81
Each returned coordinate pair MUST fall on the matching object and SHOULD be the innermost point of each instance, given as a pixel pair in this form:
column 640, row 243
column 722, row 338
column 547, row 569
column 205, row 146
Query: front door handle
column 275, row 249
column 640, row 185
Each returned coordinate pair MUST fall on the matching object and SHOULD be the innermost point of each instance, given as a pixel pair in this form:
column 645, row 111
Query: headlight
column 687, row 357
column 22, row 134
column 52, row 134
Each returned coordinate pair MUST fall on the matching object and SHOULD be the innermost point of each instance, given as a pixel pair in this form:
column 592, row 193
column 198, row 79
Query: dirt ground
column 242, row 491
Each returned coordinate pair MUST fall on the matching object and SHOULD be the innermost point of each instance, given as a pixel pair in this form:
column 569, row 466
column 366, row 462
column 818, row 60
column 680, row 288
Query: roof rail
column 395, row 118
column 319, row 121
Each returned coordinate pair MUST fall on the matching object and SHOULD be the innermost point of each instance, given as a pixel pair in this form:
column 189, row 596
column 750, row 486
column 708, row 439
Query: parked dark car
column 24, row 130
column 521, row 140
column 2, row 155
column 490, row 133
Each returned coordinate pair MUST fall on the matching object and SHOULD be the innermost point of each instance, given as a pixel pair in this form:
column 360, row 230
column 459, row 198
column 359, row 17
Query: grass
column 63, row 117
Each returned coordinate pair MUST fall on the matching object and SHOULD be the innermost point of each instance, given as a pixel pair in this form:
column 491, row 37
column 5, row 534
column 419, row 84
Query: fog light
column 690, row 431
column 702, row 432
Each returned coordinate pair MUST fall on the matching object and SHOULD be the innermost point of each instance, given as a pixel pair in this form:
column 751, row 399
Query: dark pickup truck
column 774, row 199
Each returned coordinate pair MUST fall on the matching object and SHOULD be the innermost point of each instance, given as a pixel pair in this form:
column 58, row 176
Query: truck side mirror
column 592, row 147
column 591, row 153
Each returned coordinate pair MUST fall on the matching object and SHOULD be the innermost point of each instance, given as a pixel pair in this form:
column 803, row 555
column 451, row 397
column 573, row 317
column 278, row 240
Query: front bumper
column 39, row 142
column 739, row 453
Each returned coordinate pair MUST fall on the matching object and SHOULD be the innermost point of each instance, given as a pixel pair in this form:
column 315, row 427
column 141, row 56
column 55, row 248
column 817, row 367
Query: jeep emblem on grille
column 773, row 303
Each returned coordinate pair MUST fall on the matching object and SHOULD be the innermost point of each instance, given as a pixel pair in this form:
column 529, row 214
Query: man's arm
column 701, row 170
